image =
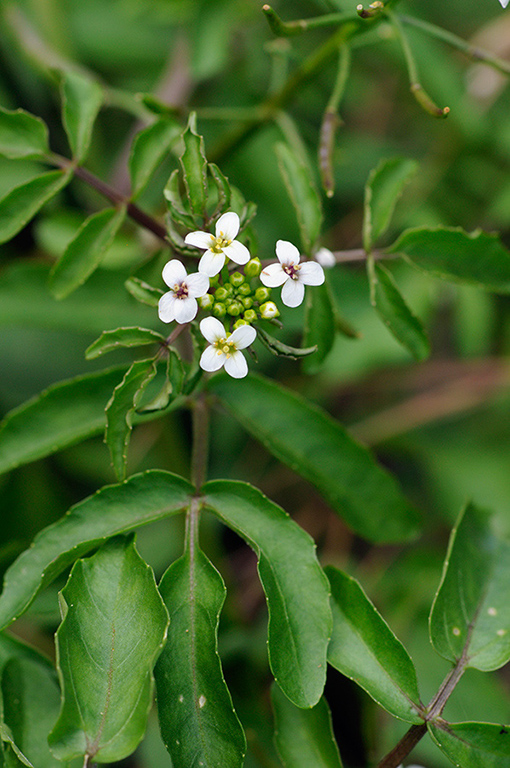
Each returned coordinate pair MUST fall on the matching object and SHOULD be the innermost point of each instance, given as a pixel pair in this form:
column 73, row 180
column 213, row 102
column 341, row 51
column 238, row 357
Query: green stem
column 200, row 445
column 473, row 52
column 419, row 93
column 291, row 28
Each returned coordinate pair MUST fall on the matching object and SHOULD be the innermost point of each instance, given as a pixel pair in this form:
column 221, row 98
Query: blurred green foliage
column 443, row 426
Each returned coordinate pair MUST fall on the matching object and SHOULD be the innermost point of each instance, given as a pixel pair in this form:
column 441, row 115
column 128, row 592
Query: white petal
column 236, row 366
column 504, row 3
column 237, row 252
column 311, row 273
column 212, row 359
column 211, row 263
column 185, row 310
column 228, row 225
column 243, row 336
column 325, row 257
column 199, row 239
column 273, row 276
column 212, row 329
column 174, row 272
column 198, row 284
column 286, row 252
column 166, row 307
column 293, row 293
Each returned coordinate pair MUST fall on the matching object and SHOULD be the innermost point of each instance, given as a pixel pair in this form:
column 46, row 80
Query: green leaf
column 62, row 415
column 296, row 589
column 307, row 439
column 394, row 312
column 31, row 704
column 143, row 292
column 21, row 204
column 303, row 193
column 304, row 737
column 85, row 251
column 82, row 98
column 194, row 166
column 115, row 509
column 473, row 745
column 477, row 258
column 113, row 628
column 223, row 187
column 197, row 720
column 122, row 337
column 22, row 135
column 320, row 325
column 470, row 616
column 120, row 409
column 172, row 386
column 364, row 648
column 383, row 189
column 280, row 349
column 149, row 149
column 178, row 209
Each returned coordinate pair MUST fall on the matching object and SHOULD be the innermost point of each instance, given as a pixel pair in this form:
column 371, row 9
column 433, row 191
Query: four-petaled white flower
column 290, row 274
column 180, row 302
column 217, row 247
column 224, row 349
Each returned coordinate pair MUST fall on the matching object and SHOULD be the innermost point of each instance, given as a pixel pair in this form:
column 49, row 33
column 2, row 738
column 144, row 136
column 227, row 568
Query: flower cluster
column 233, row 296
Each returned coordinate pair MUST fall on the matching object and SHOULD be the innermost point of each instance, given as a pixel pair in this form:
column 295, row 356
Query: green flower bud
column 221, row 293
column 237, row 279
column 206, row 302
column 247, row 302
column 219, row 310
column 250, row 316
column 262, row 294
column 235, row 308
column 239, row 322
column 269, row 310
column 245, row 290
column 252, row 269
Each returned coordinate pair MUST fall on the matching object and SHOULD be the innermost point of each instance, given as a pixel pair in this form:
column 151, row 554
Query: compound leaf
column 470, row 616
column 364, row 648
column 197, row 720
column 304, row 737
column 22, row 135
column 296, row 590
column 82, row 98
column 113, row 628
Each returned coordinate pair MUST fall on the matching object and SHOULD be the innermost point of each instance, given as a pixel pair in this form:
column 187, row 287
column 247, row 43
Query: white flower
column 326, row 258
column 180, row 303
column 223, row 349
column 292, row 275
column 218, row 247
column 504, row 3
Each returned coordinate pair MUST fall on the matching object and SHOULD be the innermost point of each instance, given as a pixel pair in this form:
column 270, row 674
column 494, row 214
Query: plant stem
column 200, row 446
column 472, row 51
column 331, row 121
column 111, row 194
column 394, row 758
column 419, row 93
column 291, row 28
